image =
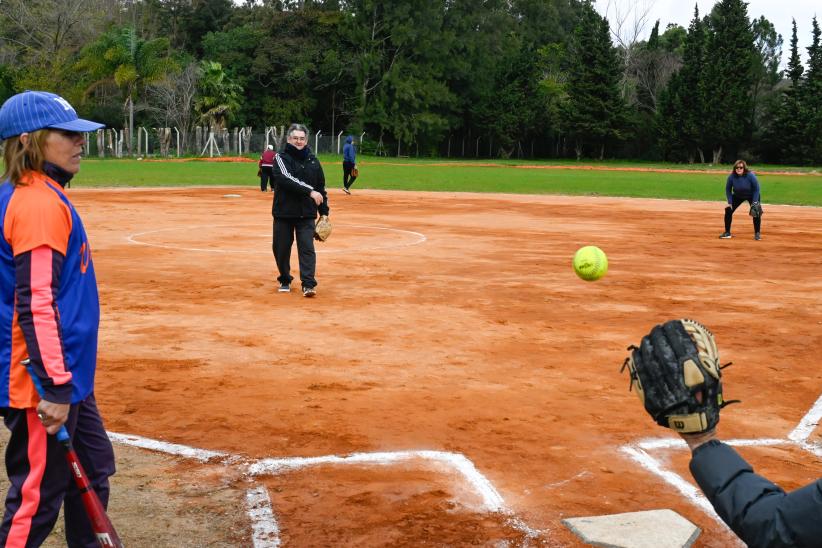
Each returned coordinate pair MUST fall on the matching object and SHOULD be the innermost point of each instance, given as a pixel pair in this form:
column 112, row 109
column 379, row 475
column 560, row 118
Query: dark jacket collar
column 297, row 154
column 57, row 173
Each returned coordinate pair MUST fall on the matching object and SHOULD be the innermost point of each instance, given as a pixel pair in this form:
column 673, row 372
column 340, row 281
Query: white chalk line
column 419, row 238
column 798, row 437
column 491, row 499
column 201, row 455
column 265, row 530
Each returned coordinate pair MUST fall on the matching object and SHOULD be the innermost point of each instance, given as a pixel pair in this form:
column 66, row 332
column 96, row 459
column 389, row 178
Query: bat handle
column 62, row 434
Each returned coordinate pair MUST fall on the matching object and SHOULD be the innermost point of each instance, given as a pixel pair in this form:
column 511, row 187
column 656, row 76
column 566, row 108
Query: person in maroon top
column 266, row 164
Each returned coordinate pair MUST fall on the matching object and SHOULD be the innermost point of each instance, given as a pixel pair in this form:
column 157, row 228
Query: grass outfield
column 803, row 187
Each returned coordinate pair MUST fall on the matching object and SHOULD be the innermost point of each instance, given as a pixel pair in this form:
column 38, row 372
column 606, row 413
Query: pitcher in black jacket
column 300, row 196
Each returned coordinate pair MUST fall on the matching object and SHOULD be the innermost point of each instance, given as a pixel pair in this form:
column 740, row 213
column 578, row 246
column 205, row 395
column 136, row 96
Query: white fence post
column 339, row 135
column 178, row 141
column 317, row 142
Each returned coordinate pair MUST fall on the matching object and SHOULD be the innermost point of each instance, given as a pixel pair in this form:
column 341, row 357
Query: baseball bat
column 100, row 524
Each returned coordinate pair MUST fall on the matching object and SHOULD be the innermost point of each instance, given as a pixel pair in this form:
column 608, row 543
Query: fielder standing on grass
column 742, row 186
column 300, row 196
column 49, row 313
column 675, row 372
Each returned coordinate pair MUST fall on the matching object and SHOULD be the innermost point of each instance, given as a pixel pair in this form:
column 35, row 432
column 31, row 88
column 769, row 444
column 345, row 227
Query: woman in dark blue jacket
column 741, row 186
column 349, row 164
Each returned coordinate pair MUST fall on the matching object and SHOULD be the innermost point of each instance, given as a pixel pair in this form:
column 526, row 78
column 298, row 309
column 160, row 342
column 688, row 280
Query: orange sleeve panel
column 36, row 217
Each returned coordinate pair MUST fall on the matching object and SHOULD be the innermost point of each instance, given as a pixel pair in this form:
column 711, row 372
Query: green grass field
column 704, row 183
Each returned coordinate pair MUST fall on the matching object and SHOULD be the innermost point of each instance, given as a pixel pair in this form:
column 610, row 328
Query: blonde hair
column 19, row 157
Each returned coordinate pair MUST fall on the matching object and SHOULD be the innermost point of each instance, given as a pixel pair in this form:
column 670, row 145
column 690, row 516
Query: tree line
column 548, row 78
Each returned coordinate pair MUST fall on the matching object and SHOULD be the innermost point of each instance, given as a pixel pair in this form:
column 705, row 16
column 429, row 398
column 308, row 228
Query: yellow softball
column 590, row 263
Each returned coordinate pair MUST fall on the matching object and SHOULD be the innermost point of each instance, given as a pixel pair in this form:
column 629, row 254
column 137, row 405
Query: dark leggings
column 738, row 200
column 348, row 179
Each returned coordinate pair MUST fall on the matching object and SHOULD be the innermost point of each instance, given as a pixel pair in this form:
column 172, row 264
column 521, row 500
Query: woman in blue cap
column 49, row 315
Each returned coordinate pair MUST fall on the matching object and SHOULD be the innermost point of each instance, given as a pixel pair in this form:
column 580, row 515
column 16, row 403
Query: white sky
column 778, row 12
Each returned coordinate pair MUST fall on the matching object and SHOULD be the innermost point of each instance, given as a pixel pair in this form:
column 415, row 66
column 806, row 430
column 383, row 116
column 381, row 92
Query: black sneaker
column 284, row 288
column 309, row 292
column 725, row 235
column 757, row 236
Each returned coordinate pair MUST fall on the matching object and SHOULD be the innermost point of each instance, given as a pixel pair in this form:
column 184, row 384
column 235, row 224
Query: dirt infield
column 450, row 323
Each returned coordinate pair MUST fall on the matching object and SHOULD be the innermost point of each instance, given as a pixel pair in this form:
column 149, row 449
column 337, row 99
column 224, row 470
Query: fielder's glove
column 756, row 210
column 677, row 376
column 322, row 230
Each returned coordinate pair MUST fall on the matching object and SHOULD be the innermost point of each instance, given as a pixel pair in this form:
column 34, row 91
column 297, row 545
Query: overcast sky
column 778, row 12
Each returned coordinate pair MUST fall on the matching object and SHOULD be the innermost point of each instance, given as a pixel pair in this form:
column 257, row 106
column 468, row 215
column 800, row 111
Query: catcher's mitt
column 677, row 376
column 322, row 230
column 756, row 210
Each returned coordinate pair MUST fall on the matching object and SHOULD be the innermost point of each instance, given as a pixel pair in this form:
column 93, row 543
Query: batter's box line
column 265, row 529
column 640, row 453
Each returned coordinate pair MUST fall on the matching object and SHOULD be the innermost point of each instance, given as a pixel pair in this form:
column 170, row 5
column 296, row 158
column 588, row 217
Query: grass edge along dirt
column 621, row 179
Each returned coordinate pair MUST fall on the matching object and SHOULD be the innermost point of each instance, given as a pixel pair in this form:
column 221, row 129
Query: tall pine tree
column 681, row 119
column 812, row 97
column 788, row 134
column 729, row 74
column 595, row 113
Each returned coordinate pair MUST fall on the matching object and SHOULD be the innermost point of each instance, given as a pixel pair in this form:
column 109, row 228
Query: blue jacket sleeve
column 754, row 186
column 758, row 511
column 729, row 185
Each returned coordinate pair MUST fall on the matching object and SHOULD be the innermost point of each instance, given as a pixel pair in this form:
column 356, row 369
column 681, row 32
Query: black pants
column 266, row 176
column 284, row 230
column 40, row 480
column 348, row 180
column 738, row 200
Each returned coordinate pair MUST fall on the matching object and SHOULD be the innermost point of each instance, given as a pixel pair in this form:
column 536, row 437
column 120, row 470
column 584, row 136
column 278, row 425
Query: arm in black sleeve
column 286, row 179
column 757, row 510
column 323, row 207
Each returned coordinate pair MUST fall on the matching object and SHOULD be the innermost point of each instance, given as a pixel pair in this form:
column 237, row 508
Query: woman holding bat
column 49, row 317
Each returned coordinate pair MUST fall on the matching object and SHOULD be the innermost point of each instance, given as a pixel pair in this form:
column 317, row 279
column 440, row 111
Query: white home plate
column 649, row 529
column 231, row 195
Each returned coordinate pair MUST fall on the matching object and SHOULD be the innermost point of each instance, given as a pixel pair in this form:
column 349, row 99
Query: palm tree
column 130, row 62
column 218, row 97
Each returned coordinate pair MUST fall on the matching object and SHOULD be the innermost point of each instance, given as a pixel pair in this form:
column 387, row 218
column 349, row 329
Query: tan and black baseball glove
column 676, row 374
column 322, row 230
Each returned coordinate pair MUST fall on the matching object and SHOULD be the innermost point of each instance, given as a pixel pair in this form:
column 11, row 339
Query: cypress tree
column 729, row 60
column 811, row 97
column 595, row 112
column 789, row 130
column 682, row 116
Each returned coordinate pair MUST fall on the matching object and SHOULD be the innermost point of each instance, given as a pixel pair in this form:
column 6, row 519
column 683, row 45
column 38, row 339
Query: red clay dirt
column 447, row 322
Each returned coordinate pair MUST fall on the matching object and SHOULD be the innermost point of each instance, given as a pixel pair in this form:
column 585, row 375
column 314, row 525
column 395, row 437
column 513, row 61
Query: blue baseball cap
column 33, row 110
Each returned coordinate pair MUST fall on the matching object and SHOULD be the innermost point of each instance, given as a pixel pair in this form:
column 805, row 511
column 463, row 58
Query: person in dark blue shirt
column 349, row 164
column 741, row 186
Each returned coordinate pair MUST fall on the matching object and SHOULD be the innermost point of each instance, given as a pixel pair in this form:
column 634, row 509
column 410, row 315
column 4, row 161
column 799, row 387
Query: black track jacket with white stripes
column 297, row 173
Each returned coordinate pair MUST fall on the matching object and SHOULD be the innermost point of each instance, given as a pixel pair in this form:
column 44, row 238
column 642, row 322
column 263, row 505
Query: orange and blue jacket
column 49, row 306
